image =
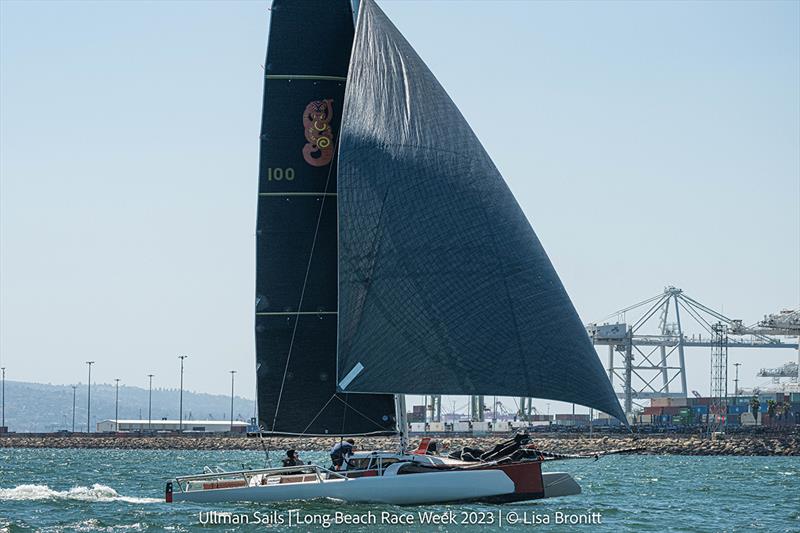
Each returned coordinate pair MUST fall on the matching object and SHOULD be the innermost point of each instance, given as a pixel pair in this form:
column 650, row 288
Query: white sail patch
column 351, row 376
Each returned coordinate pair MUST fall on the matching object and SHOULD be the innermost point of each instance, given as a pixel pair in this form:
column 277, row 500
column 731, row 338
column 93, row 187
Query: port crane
column 653, row 364
column 789, row 370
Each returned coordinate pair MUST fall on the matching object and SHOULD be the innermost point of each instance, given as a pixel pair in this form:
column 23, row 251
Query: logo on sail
column 317, row 117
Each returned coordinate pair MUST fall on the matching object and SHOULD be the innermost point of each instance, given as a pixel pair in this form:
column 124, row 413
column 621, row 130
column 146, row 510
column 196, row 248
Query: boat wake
column 95, row 493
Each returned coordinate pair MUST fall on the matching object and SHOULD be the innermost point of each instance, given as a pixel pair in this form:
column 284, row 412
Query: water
column 122, row 490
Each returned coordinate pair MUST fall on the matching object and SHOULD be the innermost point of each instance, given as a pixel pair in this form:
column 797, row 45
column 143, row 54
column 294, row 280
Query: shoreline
column 736, row 444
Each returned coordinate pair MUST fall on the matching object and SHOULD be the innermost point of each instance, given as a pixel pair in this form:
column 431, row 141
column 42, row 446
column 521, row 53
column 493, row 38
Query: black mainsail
column 444, row 287
column 296, row 233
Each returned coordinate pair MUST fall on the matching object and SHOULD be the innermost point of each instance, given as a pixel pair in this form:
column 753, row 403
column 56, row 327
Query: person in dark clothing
column 433, row 448
column 292, row 459
column 340, row 452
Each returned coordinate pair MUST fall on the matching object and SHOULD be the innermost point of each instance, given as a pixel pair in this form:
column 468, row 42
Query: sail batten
column 444, row 287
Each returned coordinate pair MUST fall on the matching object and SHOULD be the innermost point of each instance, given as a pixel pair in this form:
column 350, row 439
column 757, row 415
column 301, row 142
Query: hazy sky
column 649, row 143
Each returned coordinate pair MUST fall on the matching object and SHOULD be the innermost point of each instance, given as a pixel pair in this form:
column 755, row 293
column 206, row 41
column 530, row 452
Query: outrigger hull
column 499, row 483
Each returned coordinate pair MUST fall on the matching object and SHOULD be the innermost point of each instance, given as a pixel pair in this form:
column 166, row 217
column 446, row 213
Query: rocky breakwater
column 736, row 445
column 768, row 444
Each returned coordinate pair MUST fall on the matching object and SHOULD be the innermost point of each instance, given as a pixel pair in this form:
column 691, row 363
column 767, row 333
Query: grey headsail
column 443, row 286
column 296, row 267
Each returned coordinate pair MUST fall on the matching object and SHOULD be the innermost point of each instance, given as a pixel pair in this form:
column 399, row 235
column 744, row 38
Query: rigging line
column 357, row 411
column 575, row 472
column 265, row 447
column 715, row 314
column 317, row 415
column 344, row 417
column 698, row 318
column 649, row 314
column 303, row 291
column 634, row 306
column 384, row 433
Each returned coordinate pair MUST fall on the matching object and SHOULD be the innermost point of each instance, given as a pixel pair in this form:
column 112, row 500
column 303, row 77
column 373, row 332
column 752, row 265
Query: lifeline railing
column 183, row 482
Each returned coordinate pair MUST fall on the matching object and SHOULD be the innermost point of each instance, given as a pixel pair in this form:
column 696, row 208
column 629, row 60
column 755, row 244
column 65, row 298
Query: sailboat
column 392, row 259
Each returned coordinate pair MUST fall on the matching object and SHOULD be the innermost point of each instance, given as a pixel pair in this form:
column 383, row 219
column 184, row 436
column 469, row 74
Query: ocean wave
column 95, row 493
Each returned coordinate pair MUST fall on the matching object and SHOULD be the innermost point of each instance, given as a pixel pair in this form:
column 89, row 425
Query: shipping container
column 662, row 410
column 732, row 420
column 501, row 426
column 669, row 402
column 570, row 416
column 477, row 427
column 462, row 426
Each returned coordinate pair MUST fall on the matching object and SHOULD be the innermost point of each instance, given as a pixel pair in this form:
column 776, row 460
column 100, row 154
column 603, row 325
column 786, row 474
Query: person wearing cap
column 292, row 459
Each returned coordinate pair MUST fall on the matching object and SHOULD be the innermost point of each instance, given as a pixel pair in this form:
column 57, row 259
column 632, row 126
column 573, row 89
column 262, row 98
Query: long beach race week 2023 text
column 296, row 517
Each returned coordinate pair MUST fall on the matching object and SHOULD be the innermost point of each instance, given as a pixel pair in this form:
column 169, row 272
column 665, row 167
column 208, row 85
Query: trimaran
column 392, row 259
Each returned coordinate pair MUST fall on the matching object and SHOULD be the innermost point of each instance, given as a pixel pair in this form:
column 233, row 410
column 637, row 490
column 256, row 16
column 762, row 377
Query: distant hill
column 38, row 407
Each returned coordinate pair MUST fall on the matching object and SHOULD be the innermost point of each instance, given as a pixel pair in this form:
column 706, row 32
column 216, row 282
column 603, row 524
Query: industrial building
column 189, row 426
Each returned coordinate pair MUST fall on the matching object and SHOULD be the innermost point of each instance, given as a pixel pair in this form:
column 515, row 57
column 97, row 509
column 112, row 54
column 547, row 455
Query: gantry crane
column 649, row 368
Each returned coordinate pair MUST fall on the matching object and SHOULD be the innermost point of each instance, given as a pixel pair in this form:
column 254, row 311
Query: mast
column 402, row 421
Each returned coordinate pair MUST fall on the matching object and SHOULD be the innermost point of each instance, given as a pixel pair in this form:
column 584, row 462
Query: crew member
column 292, row 459
column 340, row 452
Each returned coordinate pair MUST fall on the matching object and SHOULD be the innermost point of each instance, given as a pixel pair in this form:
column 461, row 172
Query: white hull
column 502, row 483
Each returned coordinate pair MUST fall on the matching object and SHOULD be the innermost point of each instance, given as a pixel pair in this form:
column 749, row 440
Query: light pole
column 89, row 400
column 736, row 383
column 116, row 407
column 150, row 404
column 180, row 421
column 3, row 422
column 233, row 373
column 74, row 391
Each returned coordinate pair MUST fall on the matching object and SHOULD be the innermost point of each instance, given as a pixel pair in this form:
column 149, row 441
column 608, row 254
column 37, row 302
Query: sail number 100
column 279, row 174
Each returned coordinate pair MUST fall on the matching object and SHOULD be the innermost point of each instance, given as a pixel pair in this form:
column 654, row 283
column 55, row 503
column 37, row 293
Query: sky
column 649, row 144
